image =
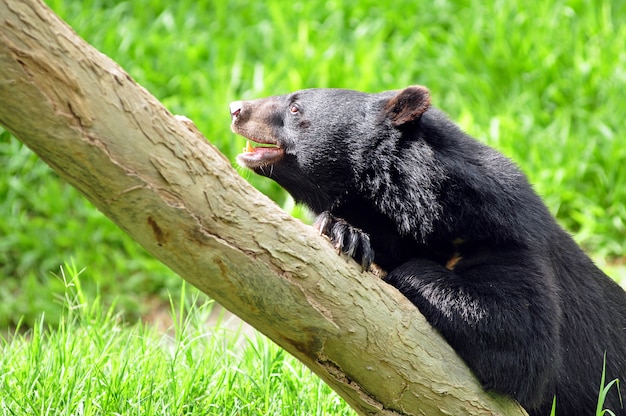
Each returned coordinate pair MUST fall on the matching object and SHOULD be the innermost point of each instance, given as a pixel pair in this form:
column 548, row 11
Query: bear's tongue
column 251, row 149
column 262, row 155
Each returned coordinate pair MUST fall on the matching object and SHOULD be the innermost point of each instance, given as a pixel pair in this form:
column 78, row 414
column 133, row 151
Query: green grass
column 93, row 364
column 605, row 387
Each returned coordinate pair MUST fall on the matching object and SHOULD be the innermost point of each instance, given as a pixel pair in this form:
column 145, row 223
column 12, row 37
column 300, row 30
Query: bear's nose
column 235, row 109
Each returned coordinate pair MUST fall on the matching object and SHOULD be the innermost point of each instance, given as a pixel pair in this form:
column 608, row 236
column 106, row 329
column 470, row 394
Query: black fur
column 459, row 231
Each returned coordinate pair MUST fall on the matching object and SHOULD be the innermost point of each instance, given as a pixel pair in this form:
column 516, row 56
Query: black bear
column 458, row 230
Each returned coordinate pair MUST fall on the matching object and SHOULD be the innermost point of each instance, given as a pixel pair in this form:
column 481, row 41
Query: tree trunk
column 174, row 193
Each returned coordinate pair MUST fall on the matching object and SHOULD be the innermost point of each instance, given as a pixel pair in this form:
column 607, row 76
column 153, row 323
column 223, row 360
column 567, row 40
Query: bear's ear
column 407, row 105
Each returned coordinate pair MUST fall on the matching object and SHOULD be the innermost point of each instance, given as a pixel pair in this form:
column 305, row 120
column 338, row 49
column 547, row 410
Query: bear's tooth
column 249, row 147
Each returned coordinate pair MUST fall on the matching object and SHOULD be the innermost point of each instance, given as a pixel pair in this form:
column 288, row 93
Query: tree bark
column 175, row 194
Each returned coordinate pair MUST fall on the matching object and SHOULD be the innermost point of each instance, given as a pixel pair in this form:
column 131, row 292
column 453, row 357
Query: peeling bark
column 174, row 193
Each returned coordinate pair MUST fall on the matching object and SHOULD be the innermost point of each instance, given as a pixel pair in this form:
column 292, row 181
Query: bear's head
column 317, row 143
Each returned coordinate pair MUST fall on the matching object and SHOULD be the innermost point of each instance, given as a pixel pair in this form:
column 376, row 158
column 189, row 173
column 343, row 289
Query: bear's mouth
column 266, row 153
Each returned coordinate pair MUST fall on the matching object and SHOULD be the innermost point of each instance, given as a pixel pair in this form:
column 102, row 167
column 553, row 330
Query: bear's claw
column 346, row 239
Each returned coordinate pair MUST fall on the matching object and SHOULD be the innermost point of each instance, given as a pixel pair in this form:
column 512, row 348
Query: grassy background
column 91, row 364
column 541, row 81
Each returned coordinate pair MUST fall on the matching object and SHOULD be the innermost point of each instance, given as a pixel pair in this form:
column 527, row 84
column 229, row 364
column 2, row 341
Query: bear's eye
column 294, row 109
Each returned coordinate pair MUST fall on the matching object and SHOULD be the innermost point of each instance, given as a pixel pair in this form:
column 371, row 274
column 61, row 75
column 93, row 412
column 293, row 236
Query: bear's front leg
column 501, row 317
column 347, row 239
